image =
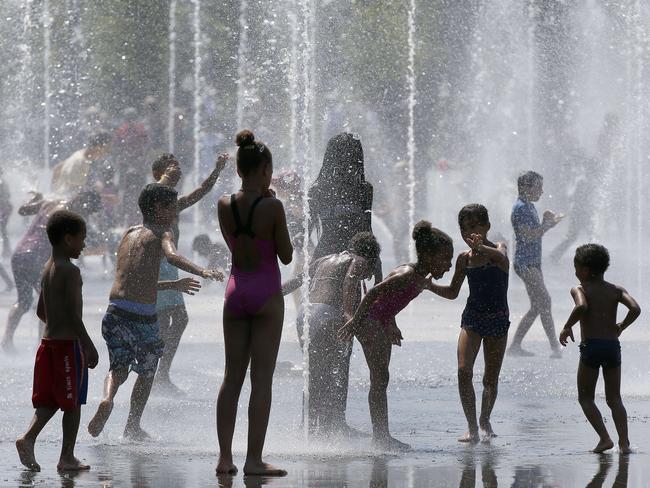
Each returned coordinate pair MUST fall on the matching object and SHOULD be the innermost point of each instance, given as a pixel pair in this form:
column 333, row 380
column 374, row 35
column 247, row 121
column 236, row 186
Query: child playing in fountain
column 596, row 304
column 374, row 324
column 485, row 318
column 130, row 327
column 334, row 294
column 254, row 225
column 528, row 260
column 66, row 351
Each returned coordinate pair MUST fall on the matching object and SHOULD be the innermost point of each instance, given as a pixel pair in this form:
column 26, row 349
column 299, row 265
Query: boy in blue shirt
column 528, row 260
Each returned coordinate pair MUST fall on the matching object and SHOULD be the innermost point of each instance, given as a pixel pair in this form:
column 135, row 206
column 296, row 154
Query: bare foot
column 624, row 448
column 470, row 437
column 603, row 446
column 519, row 351
column 556, row 354
column 97, row 423
column 136, row 433
column 262, row 469
column 390, row 444
column 165, row 387
column 226, row 466
column 71, row 464
column 486, row 430
column 25, row 450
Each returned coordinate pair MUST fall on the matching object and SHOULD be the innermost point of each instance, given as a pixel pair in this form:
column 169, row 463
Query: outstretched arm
column 498, row 255
column 633, row 310
column 576, row 314
column 32, row 206
column 197, row 194
column 175, row 259
column 453, row 289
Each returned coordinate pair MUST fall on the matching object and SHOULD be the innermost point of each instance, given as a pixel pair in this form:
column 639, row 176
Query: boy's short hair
column 99, row 139
column 527, row 179
column 201, row 244
column 62, row 223
column 365, row 245
column 160, row 165
column 152, row 194
column 473, row 211
column 594, row 257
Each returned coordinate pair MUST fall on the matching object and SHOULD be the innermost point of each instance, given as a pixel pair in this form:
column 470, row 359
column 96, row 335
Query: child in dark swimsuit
column 374, row 324
column 485, row 318
column 596, row 303
column 254, row 225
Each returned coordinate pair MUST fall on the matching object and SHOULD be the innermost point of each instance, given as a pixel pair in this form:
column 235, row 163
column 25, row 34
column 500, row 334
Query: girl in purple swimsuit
column 485, row 318
column 374, row 324
column 254, row 225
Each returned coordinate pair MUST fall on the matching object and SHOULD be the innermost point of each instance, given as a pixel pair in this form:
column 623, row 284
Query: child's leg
column 139, row 397
column 587, row 378
column 176, row 323
column 529, row 317
column 112, row 383
column 612, row 377
column 468, row 346
column 493, row 350
column 67, row 461
column 21, row 307
column 25, row 443
column 545, row 313
column 377, row 350
column 236, row 335
column 266, row 332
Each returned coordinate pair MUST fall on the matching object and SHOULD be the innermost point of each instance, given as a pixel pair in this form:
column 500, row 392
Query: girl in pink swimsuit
column 255, row 227
column 374, row 324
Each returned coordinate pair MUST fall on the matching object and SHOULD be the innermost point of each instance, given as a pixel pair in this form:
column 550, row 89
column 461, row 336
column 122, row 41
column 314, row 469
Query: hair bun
column 422, row 230
column 245, row 138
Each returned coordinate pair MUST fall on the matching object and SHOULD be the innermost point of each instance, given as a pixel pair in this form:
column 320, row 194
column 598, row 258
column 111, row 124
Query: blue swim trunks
column 133, row 340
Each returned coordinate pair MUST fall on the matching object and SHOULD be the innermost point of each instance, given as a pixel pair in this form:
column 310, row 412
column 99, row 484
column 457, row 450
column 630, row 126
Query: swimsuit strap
column 239, row 228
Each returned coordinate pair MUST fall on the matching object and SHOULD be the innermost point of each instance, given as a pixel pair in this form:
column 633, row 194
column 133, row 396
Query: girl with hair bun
column 485, row 318
column 254, row 225
column 374, row 324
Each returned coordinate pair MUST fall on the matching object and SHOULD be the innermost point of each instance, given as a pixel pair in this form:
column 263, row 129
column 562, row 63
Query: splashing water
column 172, row 76
column 47, row 55
column 196, row 132
column 410, row 149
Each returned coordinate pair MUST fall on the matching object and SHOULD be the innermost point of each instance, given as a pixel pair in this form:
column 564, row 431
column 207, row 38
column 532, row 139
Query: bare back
column 327, row 282
column 599, row 320
column 267, row 223
column 60, row 302
column 137, row 267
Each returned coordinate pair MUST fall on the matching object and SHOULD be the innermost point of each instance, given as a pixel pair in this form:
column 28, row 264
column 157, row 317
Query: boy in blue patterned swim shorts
column 596, row 303
column 130, row 326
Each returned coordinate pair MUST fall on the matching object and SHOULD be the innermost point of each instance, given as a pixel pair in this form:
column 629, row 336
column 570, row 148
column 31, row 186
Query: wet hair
column 160, row 165
column 429, row 240
column 343, row 165
column 594, row 257
column 365, row 244
column 251, row 153
column 201, row 244
column 473, row 211
column 87, row 201
column 528, row 179
column 152, row 194
column 62, row 223
column 99, row 139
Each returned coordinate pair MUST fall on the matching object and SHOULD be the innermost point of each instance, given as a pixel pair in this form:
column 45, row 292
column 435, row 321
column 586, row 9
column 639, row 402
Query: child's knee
column 379, row 379
column 490, row 382
column 614, row 401
column 119, row 375
column 465, row 373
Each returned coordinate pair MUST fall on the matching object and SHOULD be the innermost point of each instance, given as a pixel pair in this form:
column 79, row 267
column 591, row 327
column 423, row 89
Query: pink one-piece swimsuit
column 385, row 310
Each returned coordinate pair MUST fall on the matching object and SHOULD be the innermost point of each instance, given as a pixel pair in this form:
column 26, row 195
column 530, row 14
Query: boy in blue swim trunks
column 66, row 351
column 596, row 303
column 130, row 326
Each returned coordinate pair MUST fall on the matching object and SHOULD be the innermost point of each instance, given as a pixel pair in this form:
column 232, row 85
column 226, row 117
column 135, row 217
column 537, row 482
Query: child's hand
column 187, row 285
column 91, row 355
column 551, row 219
column 619, row 329
column 220, row 164
column 565, row 334
column 346, row 332
column 395, row 334
column 475, row 241
column 212, row 274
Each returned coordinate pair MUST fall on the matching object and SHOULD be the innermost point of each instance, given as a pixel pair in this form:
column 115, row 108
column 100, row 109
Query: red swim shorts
column 60, row 375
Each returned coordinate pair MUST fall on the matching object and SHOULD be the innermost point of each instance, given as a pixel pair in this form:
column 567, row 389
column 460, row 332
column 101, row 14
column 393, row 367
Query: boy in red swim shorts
column 66, row 351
